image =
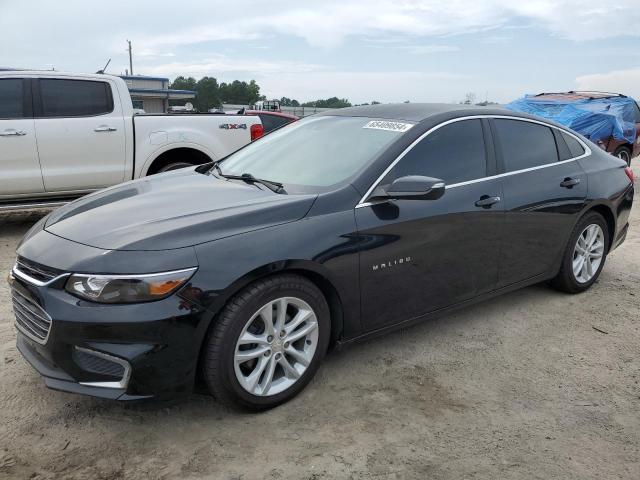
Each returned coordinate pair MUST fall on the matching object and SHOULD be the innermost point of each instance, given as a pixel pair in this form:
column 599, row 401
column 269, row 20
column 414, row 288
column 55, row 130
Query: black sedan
column 243, row 273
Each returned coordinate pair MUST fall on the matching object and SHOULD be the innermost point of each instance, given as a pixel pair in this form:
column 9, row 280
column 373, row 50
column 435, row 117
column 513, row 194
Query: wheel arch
column 609, row 217
column 170, row 153
column 312, row 271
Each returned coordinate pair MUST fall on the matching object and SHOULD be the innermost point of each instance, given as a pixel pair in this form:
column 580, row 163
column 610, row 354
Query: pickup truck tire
column 175, row 166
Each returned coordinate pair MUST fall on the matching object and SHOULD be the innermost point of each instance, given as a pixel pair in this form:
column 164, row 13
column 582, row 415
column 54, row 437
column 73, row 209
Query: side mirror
column 411, row 187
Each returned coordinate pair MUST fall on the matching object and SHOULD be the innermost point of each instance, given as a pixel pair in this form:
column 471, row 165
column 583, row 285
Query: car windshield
column 316, row 152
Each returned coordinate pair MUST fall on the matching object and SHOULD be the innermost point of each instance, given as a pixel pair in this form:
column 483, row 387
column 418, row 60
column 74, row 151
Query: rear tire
column 623, row 153
column 584, row 255
column 268, row 371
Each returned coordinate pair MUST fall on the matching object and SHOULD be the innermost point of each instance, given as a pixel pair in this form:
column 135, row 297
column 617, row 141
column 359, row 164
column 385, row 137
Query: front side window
column 525, row 144
column 454, row 153
column 314, row 153
column 11, row 98
column 75, row 98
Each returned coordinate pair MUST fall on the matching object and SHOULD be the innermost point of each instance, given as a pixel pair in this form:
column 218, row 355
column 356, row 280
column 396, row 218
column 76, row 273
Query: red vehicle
column 271, row 120
column 619, row 148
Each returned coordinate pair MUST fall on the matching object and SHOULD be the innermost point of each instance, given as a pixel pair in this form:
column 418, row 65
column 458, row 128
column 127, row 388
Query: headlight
column 127, row 288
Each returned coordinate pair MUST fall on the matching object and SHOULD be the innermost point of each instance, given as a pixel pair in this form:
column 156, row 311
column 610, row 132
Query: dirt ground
column 522, row 386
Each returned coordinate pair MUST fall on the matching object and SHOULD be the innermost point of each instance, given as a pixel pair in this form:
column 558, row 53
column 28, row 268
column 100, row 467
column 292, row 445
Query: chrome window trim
column 587, row 152
column 33, row 281
column 124, row 381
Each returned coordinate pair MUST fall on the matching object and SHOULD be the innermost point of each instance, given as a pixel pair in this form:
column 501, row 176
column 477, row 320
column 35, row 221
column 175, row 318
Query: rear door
column 422, row 255
column 81, row 134
column 544, row 191
column 19, row 166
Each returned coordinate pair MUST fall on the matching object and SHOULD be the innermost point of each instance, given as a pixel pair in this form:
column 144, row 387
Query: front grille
column 36, row 271
column 92, row 363
column 31, row 319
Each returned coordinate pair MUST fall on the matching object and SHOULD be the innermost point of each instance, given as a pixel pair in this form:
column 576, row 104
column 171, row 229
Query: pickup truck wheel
column 175, row 166
column 266, row 345
column 623, row 153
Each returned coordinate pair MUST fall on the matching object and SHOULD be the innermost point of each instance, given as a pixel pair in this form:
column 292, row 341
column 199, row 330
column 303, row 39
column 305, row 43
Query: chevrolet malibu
column 241, row 274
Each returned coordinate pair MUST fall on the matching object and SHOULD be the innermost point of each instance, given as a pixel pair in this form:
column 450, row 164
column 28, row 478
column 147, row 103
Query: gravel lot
column 522, row 386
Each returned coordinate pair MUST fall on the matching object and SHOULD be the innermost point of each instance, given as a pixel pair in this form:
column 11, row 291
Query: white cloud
column 222, row 64
column 327, row 23
column 429, row 49
column 619, row 81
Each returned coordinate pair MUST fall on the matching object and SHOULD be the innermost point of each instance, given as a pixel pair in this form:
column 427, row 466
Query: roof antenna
column 105, row 67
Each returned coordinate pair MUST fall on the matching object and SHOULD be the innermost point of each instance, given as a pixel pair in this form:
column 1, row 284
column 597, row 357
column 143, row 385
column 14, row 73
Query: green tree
column 182, row 83
column 240, row 92
column 333, row 102
column 207, row 94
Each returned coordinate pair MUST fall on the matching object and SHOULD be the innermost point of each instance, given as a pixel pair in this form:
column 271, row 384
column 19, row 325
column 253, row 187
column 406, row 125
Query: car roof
column 417, row 112
column 275, row 114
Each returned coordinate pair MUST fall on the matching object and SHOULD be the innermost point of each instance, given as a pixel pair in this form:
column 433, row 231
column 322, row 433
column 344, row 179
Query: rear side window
column 12, row 98
column 75, row 98
column 271, row 122
column 525, row 144
column 454, row 153
column 574, row 145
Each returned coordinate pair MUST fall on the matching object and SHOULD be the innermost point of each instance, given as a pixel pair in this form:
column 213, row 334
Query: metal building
column 152, row 94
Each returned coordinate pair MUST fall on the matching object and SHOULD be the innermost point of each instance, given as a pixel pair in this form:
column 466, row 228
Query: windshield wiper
column 247, row 177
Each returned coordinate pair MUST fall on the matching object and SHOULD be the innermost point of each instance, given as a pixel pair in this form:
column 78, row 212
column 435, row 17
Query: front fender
column 325, row 247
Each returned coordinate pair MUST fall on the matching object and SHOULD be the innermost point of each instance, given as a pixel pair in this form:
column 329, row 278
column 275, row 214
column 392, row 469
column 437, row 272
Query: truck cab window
column 75, row 98
column 11, row 98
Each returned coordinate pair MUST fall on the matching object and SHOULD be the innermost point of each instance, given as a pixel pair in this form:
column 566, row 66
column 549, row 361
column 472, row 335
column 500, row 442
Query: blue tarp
column 596, row 119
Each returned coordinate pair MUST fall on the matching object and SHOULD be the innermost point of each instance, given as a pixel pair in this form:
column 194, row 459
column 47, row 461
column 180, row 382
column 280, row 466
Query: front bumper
column 153, row 347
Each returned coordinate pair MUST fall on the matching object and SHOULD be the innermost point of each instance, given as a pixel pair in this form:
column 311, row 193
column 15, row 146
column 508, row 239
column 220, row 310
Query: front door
column 19, row 166
column 418, row 256
column 81, row 135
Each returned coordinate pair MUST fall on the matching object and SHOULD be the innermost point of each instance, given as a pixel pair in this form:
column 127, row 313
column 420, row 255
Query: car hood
column 173, row 210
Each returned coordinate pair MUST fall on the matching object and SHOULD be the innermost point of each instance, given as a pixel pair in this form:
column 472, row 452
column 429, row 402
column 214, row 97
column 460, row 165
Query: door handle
column 13, row 133
column 486, row 201
column 104, row 128
column 569, row 182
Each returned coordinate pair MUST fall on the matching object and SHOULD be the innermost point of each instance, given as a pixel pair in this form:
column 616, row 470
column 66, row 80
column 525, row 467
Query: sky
column 363, row 50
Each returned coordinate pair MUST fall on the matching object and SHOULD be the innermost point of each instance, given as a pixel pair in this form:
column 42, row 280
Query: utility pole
column 130, row 58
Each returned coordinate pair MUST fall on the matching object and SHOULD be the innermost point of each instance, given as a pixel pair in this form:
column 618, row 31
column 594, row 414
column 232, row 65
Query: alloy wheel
column 276, row 346
column 588, row 253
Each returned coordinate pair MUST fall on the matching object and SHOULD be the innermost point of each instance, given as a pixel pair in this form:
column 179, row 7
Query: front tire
column 267, row 343
column 584, row 256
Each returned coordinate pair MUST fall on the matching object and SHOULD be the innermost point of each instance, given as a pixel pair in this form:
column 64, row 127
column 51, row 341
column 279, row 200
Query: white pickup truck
column 65, row 135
